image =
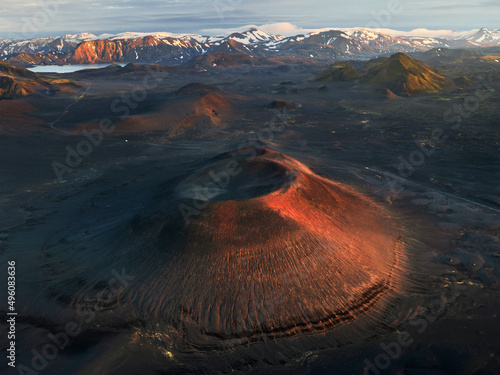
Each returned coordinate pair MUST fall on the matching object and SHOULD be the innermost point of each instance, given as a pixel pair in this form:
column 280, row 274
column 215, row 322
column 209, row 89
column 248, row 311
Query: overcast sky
column 57, row 17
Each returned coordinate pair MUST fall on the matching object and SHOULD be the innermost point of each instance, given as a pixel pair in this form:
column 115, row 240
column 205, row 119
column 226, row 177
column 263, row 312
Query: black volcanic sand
column 312, row 259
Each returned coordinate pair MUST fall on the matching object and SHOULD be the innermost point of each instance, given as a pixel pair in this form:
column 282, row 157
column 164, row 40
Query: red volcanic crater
column 261, row 245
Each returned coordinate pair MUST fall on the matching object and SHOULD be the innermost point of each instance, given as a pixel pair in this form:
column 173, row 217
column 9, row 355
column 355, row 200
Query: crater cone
column 257, row 244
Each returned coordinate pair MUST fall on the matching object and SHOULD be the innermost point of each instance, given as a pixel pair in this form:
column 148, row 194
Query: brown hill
column 280, row 105
column 337, row 73
column 405, row 76
column 462, row 82
column 26, row 59
column 7, row 69
column 387, row 94
column 17, row 82
column 192, row 110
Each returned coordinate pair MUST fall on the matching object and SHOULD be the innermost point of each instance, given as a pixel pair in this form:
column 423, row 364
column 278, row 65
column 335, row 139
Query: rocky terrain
column 17, row 82
column 234, row 214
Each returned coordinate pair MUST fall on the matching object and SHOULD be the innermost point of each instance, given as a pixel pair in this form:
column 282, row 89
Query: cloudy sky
column 56, row 17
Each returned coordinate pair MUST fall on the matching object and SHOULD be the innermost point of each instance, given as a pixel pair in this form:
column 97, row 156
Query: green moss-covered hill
column 405, row 76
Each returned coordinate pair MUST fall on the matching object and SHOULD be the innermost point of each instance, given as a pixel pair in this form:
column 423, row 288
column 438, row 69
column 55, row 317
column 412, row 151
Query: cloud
column 281, row 28
column 276, row 17
column 289, row 29
column 418, row 32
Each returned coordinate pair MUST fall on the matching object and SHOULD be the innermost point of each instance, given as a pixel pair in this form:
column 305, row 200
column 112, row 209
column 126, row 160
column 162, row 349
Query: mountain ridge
column 174, row 49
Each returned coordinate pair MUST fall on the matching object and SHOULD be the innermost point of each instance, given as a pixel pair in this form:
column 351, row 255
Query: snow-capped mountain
column 255, row 37
column 482, row 36
column 79, row 37
column 143, row 49
column 356, row 43
column 56, row 45
column 169, row 48
column 381, row 41
column 131, row 35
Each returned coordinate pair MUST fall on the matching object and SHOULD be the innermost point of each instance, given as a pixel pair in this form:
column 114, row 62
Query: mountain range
column 169, row 49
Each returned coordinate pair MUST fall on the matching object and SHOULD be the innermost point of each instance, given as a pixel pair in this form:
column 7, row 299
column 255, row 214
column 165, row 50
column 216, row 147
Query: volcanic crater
column 256, row 244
